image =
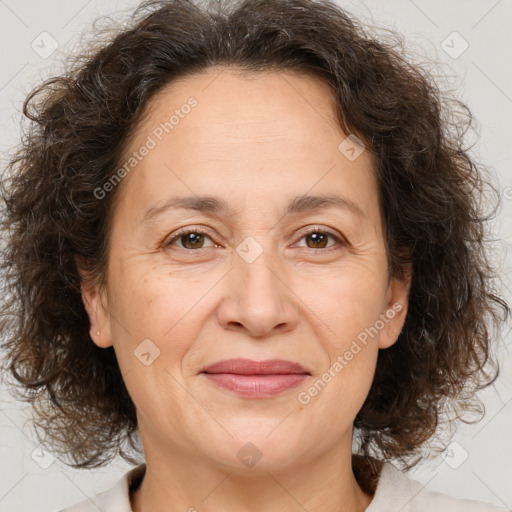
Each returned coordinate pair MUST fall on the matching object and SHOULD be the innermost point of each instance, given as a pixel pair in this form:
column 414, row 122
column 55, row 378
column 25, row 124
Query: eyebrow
column 217, row 206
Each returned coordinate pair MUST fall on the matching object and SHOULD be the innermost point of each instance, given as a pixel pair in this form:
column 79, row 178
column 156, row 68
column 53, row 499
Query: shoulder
column 115, row 499
column 397, row 491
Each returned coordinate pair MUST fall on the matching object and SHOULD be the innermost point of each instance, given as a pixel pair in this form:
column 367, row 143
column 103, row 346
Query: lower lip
column 256, row 386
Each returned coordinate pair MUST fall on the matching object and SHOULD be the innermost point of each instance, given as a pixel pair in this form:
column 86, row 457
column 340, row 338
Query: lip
column 250, row 367
column 256, row 379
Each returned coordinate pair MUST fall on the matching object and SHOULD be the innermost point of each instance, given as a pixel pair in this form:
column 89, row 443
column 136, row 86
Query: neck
column 336, row 481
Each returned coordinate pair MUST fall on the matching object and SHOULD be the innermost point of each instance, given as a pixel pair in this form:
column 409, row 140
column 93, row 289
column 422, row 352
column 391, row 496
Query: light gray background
column 482, row 75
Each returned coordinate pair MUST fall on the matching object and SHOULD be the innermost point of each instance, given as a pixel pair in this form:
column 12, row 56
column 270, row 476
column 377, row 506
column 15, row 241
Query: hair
column 431, row 196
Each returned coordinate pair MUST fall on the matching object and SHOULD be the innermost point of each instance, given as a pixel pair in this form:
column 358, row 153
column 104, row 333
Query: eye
column 193, row 238
column 190, row 238
column 319, row 237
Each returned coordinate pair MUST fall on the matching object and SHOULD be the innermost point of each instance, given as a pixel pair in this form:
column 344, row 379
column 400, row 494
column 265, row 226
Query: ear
column 94, row 297
column 395, row 310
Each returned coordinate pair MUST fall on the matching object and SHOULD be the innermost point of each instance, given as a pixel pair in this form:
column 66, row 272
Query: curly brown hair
column 430, row 191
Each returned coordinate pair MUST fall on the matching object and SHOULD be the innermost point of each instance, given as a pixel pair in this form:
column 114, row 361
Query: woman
column 248, row 234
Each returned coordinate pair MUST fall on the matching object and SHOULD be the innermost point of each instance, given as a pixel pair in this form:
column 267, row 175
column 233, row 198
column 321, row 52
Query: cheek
column 346, row 309
column 160, row 325
column 343, row 382
column 351, row 386
column 152, row 330
column 345, row 303
column 153, row 303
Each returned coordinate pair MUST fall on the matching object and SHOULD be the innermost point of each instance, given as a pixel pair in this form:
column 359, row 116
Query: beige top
column 395, row 492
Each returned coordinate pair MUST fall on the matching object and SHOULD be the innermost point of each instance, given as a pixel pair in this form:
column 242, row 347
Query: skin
column 255, row 141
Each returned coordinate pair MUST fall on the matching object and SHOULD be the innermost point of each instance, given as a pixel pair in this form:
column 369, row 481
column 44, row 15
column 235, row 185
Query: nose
column 257, row 299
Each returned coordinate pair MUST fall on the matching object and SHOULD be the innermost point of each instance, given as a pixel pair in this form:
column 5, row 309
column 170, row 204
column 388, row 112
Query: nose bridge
column 260, row 299
column 259, row 273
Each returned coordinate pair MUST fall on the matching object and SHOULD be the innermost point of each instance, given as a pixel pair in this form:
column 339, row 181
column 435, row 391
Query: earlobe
column 95, row 303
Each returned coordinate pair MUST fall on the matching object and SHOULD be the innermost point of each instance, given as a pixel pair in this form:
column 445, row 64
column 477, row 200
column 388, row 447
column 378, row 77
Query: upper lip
column 250, row 367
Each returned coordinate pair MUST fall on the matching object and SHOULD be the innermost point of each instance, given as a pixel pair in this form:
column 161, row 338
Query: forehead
column 222, row 87
column 236, row 106
column 267, row 132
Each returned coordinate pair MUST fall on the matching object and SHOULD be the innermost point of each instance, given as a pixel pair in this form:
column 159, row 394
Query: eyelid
column 322, row 229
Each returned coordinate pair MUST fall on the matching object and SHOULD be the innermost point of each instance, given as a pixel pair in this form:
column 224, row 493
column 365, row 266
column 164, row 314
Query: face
column 274, row 274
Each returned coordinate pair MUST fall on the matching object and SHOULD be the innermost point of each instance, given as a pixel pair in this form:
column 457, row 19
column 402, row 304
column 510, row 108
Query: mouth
column 256, row 379
column 250, row 367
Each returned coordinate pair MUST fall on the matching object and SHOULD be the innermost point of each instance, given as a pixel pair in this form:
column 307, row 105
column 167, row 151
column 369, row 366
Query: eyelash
column 185, row 231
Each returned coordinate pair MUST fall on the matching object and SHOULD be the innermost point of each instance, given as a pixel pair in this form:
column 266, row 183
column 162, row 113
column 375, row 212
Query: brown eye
column 317, row 238
column 189, row 239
